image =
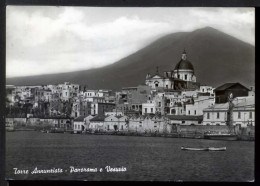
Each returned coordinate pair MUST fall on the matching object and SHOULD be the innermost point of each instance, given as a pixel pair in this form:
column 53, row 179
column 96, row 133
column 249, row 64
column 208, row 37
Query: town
column 171, row 103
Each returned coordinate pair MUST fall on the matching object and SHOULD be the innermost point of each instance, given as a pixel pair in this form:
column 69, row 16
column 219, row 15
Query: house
column 79, row 124
column 101, row 108
column 243, row 113
column 148, row 108
column 216, row 114
column 115, row 123
column 223, row 92
column 197, row 106
column 97, row 123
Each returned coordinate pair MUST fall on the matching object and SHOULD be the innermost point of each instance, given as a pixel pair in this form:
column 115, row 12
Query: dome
column 184, row 65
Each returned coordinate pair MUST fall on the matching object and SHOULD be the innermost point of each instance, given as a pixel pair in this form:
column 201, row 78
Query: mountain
column 217, row 58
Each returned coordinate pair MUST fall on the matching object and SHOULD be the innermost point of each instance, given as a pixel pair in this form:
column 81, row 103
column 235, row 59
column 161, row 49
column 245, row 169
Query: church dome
column 184, row 64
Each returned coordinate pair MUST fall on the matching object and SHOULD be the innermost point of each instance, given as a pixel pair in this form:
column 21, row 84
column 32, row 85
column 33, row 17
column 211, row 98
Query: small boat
column 217, row 149
column 205, row 149
column 194, row 149
column 226, row 136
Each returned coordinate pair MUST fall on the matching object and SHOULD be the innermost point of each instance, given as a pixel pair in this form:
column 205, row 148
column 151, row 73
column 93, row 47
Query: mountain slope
column 216, row 56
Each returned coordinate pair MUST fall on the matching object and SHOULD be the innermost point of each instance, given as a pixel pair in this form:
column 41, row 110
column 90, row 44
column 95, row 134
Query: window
column 182, row 121
column 195, row 112
column 151, row 109
column 185, row 76
column 108, row 127
column 156, row 85
column 159, row 104
column 250, row 115
column 167, row 86
column 122, row 127
column 239, row 115
column 189, row 112
column 208, row 115
column 178, row 76
column 217, row 115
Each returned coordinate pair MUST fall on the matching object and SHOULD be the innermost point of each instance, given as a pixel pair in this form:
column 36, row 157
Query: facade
column 199, row 104
column 97, row 123
column 79, row 124
column 101, row 108
column 243, row 113
column 115, row 123
column 149, row 107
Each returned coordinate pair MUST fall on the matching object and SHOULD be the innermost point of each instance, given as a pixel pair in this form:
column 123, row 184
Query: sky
column 48, row 39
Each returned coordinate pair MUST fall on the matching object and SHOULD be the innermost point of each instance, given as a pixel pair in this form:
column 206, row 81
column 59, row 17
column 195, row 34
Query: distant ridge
column 217, row 58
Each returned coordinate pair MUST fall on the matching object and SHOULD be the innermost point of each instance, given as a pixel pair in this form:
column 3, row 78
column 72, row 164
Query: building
column 198, row 104
column 133, row 97
column 97, row 123
column 149, row 107
column 243, row 113
column 79, row 124
column 80, row 108
column 101, row 108
column 223, row 92
column 181, row 78
column 115, row 123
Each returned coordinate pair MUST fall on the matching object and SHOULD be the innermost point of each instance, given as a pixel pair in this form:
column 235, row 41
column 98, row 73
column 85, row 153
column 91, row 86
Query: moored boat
column 217, row 149
column 226, row 136
column 204, row 149
column 194, row 149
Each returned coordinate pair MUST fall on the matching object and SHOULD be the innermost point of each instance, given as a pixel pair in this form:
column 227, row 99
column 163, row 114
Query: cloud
column 52, row 40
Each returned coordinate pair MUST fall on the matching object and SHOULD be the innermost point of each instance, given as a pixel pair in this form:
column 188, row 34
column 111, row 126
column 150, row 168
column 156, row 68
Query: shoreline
column 175, row 135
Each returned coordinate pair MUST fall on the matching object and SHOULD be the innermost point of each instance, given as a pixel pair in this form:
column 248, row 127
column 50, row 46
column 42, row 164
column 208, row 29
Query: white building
column 97, row 123
column 243, row 113
column 115, row 123
column 199, row 105
column 149, row 107
column 79, row 124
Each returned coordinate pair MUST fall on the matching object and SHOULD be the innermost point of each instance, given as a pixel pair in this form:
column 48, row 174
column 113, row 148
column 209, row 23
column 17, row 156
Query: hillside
column 217, row 58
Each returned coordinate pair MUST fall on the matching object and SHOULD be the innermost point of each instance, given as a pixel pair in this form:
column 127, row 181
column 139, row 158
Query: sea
column 124, row 158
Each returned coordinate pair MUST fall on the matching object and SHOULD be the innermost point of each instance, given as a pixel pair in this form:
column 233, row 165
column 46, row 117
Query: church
column 181, row 78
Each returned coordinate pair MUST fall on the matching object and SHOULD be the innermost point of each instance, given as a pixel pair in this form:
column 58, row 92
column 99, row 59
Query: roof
column 80, row 118
column 185, row 117
column 228, row 85
column 184, row 65
column 98, row 118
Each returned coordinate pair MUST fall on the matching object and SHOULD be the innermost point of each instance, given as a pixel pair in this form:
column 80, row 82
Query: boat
column 205, row 149
column 194, row 149
column 217, row 149
column 221, row 136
